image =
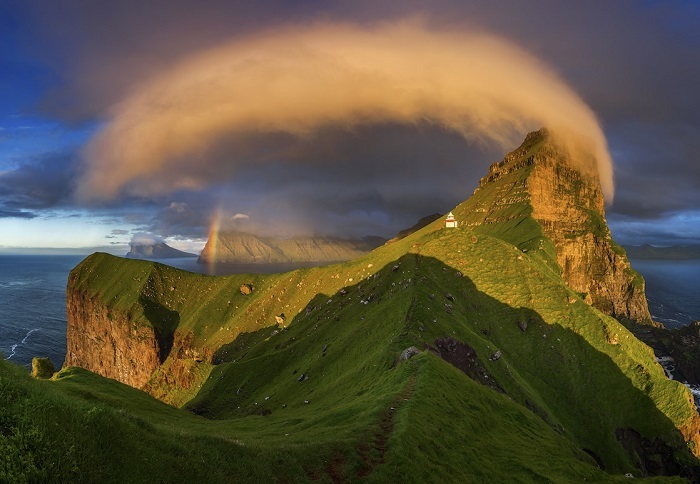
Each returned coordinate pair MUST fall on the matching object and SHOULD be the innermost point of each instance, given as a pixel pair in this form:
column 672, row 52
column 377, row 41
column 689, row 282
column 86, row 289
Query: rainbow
column 213, row 242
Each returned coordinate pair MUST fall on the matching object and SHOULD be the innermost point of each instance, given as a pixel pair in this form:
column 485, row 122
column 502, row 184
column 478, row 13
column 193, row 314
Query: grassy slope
column 578, row 386
column 570, row 379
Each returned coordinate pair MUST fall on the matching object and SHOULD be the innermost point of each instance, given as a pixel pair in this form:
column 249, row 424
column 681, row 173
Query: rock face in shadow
column 462, row 356
column 681, row 344
column 539, row 180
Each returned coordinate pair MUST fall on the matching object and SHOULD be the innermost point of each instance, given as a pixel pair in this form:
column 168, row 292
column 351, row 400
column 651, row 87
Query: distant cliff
column 537, row 182
column 676, row 252
column 158, row 250
column 243, row 248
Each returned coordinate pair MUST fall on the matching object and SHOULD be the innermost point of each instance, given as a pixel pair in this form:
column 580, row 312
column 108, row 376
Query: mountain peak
column 543, row 195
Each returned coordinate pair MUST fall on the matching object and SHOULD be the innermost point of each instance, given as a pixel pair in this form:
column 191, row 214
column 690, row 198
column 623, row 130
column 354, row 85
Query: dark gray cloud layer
column 635, row 63
column 43, row 182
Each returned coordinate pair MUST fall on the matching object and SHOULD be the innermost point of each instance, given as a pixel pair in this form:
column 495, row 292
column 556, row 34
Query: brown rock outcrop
column 108, row 343
column 569, row 206
column 541, row 180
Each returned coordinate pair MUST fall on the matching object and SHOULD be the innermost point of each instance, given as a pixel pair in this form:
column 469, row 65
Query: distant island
column 245, row 248
column 156, row 250
column 676, row 252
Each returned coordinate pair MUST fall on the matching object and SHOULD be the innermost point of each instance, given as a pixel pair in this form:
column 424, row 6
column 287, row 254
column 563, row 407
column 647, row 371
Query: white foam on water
column 13, row 348
column 24, row 340
column 668, row 364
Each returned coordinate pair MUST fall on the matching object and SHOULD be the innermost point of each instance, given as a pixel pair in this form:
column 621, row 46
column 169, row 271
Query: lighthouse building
column 450, row 221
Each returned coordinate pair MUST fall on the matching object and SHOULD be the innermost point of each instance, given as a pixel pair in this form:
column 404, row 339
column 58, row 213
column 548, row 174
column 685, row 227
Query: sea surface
column 673, row 290
column 33, row 306
column 33, row 311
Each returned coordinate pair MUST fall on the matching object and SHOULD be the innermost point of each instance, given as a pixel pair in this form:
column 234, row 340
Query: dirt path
column 373, row 453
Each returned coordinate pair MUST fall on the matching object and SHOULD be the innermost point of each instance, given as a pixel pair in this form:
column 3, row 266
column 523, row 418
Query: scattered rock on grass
column 495, row 356
column 409, row 353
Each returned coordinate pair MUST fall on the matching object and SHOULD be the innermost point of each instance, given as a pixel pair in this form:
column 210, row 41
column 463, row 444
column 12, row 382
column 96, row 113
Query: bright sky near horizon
column 283, row 118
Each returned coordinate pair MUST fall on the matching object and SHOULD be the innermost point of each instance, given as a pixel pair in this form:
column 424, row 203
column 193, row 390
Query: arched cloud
column 297, row 80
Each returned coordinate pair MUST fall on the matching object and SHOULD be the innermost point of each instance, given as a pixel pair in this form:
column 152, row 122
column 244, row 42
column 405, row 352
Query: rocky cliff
column 123, row 324
column 243, row 248
column 107, row 342
column 538, row 181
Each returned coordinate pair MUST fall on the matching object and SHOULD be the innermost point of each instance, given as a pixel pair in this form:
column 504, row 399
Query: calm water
column 33, row 313
column 33, row 307
column 673, row 290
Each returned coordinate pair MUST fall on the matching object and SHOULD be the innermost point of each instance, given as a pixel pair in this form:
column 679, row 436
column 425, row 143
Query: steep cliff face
column 569, row 205
column 243, row 248
column 538, row 182
column 106, row 342
column 124, row 323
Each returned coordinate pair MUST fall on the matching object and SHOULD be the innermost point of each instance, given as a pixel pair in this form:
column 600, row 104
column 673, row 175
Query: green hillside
column 514, row 377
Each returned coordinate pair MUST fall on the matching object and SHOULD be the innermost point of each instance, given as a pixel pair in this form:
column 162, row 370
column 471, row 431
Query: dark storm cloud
column 187, row 216
column 658, row 173
column 16, row 214
column 367, row 190
column 39, row 183
column 634, row 63
column 100, row 49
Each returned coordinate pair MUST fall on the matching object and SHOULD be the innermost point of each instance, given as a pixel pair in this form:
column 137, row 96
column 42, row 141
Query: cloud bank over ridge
column 167, row 133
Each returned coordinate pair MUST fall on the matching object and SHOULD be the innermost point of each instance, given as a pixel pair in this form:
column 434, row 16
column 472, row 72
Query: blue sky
column 68, row 70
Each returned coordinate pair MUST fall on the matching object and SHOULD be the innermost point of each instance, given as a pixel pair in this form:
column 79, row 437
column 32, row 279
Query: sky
column 120, row 119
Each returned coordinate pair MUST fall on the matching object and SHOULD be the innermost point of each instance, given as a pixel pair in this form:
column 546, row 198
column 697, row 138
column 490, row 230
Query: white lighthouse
column 450, row 221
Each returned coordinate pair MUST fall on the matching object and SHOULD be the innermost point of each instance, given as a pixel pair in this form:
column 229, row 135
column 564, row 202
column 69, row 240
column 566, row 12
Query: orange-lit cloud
column 297, row 80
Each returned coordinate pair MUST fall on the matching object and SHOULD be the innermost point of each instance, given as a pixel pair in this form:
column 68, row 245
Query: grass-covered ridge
column 516, row 378
column 571, row 378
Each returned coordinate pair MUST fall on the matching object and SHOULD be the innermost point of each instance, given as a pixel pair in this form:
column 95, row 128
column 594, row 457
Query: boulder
column 42, row 368
column 409, row 353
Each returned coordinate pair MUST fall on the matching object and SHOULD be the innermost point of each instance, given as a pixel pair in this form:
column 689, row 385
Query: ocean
column 33, row 313
column 673, row 290
column 33, row 306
